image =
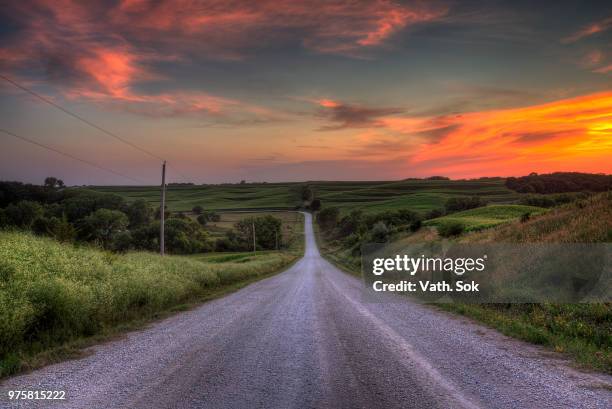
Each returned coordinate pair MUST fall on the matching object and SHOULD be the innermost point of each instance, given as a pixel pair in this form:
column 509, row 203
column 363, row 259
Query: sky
column 287, row 90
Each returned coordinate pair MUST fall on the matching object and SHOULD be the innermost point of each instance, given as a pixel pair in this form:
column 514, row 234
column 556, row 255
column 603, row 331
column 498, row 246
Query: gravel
column 310, row 338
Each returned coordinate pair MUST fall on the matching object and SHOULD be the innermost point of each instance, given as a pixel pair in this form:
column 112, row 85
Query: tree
column 267, row 231
column 328, row 217
column 139, row 213
column 197, row 209
column 184, row 236
column 457, row 204
column 122, row 241
column 315, row 205
column 64, row 231
column 23, row 214
column 102, row 225
column 451, row 229
column 202, row 219
column 380, row 232
column 52, row 182
column 306, row 193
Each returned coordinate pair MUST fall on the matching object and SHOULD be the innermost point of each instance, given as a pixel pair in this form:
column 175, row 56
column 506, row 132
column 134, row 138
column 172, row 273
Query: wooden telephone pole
column 254, row 242
column 162, row 211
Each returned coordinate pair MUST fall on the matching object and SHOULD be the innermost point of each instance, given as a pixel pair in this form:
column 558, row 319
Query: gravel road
column 308, row 338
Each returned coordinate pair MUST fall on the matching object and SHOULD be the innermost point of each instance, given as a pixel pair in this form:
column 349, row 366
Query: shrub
column 102, row 225
column 139, row 213
column 457, row 204
column 525, row 217
column 23, row 213
column 122, row 242
column 315, row 205
column 415, row 225
column 450, row 229
column 380, row 232
column 197, row 209
column 267, row 231
column 434, row 213
column 328, row 217
column 202, row 219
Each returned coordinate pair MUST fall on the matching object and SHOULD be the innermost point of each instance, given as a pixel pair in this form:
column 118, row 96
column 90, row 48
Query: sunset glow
column 288, row 90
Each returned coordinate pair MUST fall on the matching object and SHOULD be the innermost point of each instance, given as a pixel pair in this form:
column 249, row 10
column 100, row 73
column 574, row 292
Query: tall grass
column 583, row 331
column 51, row 293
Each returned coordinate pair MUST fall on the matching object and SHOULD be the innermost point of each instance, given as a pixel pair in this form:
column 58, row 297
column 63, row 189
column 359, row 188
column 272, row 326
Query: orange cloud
column 604, row 70
column 566, row 134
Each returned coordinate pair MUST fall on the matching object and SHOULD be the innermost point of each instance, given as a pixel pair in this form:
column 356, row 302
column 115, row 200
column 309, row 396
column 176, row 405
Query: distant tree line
column 560, row 182
column 107, row 220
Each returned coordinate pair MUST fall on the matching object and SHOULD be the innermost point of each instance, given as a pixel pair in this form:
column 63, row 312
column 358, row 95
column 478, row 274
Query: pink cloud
column 101, row 53
column 589, row 30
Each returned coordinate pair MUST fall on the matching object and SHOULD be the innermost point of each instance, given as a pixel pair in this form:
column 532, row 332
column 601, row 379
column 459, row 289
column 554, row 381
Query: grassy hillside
column 53, row 295
column 371, row 197
column 583, row 331
column 213, row 197
column 583, row 221
column 485, row 217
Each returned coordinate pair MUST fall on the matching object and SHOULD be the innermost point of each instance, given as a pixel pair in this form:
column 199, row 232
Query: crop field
column 371, row 197
column 485, row 217
column 212, row 197
column 291, row 228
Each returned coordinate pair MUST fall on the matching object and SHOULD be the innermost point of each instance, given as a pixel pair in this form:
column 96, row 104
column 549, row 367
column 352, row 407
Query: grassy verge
column 56, row 298
column 582, row 331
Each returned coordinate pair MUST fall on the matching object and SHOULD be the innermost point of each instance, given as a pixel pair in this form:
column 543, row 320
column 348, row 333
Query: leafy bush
column 434, row 213
column 380, row 232
column 197, row 209
column 457, row 204
column 328, row 217
column 139, row 213
column 551, row 200
column 267, row 232
column 22, row 214
column 450, row 229
column 102, row 226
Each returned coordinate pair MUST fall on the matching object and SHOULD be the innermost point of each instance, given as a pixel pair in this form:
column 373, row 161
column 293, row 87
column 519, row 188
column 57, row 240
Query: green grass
column 53, row 296
column 581, row 331
column 487, row 216
column 371, row 197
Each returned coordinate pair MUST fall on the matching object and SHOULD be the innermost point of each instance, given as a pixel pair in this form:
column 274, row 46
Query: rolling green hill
column 418, row 194
column 485, row 217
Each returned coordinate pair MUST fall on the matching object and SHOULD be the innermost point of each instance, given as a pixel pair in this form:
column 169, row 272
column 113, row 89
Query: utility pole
column 162, row 211
column 254, row 245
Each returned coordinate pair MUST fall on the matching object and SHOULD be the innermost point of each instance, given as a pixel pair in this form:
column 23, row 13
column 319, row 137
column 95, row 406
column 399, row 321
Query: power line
column 95, row 165
column 88, row 122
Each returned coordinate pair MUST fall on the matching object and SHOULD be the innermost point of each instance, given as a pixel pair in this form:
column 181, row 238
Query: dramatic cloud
column 107, row 53
column 589, row 30
column 560, row 134
column 230, row 29
column 572, row 133
column 344, row 115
